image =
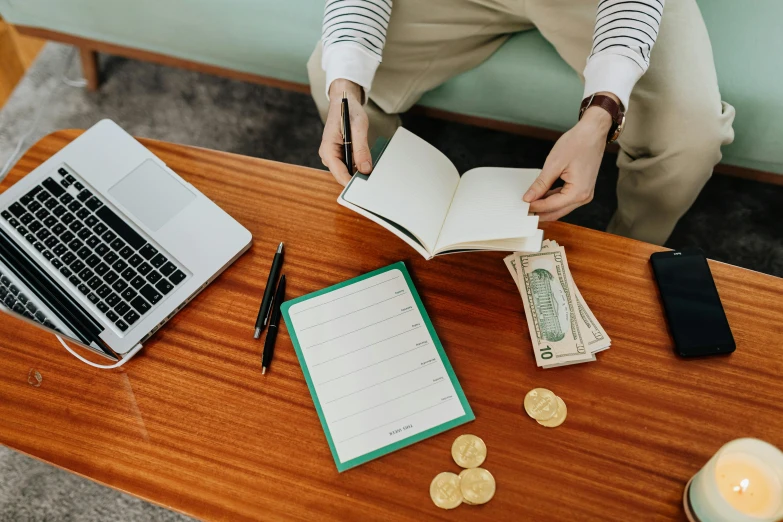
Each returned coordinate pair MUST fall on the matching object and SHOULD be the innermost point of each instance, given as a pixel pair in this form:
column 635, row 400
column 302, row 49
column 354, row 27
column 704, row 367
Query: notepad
column 377, row 372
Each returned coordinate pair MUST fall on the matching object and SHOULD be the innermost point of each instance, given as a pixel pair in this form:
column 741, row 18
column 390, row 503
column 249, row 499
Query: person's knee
column 677, row 158
column 317, row 78
column 697, row 151
column 684, row 146
column 695, row 138
column 314, row 70
column 707, row 132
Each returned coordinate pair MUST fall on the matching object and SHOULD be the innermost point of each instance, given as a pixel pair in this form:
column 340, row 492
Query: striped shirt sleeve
column 354, row 33
column 625, row 32
column 353, row 36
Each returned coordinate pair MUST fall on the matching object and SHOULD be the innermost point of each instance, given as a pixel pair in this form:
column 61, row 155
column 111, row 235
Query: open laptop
column 103, row 243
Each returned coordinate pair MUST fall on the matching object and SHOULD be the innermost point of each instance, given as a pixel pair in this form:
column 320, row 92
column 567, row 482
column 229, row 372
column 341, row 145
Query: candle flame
column 744, row 483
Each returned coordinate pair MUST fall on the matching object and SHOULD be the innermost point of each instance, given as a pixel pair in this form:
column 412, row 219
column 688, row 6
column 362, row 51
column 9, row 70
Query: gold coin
column 468, row 451
column 464, row 500
column 445, row 490
column 559, row 417
column 541, row 404
column 477, row 485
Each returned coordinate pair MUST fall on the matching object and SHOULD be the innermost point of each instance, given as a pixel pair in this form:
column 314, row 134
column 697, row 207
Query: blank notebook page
column 488, row 206
column 412, row 185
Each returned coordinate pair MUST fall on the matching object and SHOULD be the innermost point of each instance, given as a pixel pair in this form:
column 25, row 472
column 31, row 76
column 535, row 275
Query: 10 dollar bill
column 562, row 327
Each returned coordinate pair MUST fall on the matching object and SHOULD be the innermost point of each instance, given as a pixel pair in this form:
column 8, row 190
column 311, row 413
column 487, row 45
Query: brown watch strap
column 609, row 105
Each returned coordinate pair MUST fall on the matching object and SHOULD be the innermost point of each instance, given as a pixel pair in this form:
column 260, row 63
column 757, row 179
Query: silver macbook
column 103, row 243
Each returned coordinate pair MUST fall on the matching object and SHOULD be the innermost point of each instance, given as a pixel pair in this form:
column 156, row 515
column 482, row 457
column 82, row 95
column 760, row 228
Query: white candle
column 742, row 482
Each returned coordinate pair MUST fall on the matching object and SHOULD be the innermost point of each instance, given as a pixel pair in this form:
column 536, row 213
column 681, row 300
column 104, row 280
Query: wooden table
column 190, row 424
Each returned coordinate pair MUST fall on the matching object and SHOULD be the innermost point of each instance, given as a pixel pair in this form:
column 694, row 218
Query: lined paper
column 374, row 369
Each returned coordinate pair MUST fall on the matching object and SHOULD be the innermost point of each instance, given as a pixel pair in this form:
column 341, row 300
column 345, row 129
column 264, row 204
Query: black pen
column 263, row 312
column 347, row 149
column 274, row 322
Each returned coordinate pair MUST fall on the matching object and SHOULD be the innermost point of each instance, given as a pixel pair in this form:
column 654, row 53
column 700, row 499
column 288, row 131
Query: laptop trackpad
column 152, row 195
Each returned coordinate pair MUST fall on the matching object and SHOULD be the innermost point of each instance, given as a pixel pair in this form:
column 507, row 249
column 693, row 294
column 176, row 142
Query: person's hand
column 575, row 158
column 331, row 150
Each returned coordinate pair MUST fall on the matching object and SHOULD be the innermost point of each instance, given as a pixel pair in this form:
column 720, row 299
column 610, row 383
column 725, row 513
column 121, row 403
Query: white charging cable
column 67, row 81
column 41, row 109
column 122, row 361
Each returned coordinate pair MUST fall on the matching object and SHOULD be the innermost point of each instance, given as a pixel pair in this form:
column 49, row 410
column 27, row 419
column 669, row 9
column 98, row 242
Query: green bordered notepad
column 376, row 369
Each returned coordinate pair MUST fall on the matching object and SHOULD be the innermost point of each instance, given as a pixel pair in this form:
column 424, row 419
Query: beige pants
column 676, row 121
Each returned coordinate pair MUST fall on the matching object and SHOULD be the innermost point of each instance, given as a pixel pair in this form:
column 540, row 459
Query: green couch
column 274, row 38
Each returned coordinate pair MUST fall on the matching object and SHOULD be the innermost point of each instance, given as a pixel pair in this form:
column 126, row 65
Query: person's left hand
column 575, row 158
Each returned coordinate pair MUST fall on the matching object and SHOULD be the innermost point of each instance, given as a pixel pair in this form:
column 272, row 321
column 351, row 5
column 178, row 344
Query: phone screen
column 696, row 318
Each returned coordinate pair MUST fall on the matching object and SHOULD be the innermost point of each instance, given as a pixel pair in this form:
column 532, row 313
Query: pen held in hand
column 346, row 131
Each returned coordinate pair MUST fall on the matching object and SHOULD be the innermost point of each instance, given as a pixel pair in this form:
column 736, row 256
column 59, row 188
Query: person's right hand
column 331, row 150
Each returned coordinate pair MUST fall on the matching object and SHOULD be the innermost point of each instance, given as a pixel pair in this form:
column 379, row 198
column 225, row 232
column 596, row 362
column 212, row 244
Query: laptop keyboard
column 14, row 299
column 103, row 258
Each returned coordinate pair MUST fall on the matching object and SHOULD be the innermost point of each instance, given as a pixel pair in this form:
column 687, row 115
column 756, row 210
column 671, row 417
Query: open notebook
column 417, row 194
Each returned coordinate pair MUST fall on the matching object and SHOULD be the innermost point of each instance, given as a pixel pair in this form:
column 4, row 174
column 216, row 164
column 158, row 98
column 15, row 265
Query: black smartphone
column 693, row 309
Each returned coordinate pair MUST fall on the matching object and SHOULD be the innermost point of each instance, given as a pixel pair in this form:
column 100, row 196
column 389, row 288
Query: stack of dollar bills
column 562, row 327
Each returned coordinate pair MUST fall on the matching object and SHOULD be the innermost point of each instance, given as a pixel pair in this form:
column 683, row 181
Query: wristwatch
column 614, row 109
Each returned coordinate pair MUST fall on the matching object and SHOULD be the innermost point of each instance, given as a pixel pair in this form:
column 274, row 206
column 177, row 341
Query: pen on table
column 263, row 312
column 347, row 149
column 274, row 322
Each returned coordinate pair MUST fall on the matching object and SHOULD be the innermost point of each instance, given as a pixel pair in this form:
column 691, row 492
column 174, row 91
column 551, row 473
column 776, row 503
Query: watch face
column 618, row 130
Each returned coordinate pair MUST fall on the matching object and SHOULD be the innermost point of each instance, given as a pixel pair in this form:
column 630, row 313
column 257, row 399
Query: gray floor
column 735, row 221
column 33, row 491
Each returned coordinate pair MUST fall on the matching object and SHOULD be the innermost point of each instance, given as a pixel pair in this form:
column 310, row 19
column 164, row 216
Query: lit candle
column 748, row 484
column 742, row 482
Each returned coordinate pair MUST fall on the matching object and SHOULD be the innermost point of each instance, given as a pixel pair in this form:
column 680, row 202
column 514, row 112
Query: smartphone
column 693, row 309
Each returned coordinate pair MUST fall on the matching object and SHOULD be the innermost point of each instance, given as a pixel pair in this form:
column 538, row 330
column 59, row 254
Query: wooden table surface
column 192, row 425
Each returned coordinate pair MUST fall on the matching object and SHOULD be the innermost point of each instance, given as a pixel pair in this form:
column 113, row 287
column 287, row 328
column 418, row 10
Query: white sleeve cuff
column 346, row 60
column 613, row 73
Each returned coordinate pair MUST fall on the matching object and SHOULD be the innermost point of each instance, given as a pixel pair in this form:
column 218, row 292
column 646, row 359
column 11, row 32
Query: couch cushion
column 748, row 44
